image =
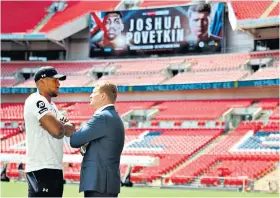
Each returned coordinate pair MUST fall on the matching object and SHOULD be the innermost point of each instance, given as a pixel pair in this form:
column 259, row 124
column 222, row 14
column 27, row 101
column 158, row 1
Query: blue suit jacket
column 100, row 167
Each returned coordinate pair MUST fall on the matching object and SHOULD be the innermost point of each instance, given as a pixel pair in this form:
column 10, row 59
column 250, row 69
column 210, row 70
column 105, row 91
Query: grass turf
column 19, row 189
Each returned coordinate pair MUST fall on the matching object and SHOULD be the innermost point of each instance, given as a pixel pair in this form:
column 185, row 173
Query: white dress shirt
column 101, row 108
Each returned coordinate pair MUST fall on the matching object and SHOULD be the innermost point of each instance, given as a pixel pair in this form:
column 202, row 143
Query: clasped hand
column 69, row 127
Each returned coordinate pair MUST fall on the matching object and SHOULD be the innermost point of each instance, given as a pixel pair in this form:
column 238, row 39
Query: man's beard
column 52, row 94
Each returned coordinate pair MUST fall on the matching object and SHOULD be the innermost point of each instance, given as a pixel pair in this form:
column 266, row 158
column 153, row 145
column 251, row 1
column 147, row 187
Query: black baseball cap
column 48, row 71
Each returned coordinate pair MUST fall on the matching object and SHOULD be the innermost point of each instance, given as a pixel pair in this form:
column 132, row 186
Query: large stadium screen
column 192, row 29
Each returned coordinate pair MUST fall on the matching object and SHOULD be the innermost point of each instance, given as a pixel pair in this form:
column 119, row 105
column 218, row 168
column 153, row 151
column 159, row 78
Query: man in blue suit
column 104, row 136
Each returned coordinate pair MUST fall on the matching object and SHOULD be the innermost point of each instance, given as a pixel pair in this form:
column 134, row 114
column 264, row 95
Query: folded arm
column 93, row 129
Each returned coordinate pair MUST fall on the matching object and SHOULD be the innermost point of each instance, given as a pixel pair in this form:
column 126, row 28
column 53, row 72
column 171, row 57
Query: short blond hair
column 110, row 89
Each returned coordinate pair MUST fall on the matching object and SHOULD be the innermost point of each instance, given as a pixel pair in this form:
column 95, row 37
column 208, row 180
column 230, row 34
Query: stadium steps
column 269, row 9
column 42, row 23
column 201, row 152
column 189, row 160
column 197, row 181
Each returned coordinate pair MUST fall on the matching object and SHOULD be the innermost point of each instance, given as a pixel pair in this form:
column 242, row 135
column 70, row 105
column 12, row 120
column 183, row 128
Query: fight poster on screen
column 193, row 29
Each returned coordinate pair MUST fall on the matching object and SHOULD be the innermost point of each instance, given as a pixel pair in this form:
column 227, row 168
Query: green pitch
column 20, row 190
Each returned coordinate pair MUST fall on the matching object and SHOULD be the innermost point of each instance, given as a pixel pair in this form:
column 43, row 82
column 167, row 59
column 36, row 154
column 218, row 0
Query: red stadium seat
column 75, row 10
column 265, row 73
column 25, row 15
column 154, row 123
column 177, row 123
column 250, row 9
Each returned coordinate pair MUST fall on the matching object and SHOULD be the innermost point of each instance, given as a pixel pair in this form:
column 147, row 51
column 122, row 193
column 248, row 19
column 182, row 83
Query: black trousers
column 97, row 194
column 45, row 183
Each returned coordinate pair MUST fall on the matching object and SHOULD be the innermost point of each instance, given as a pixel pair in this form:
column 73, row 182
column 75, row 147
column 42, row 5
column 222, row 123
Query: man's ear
column 103, row 95
column 43, row 81
column 40, row 82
